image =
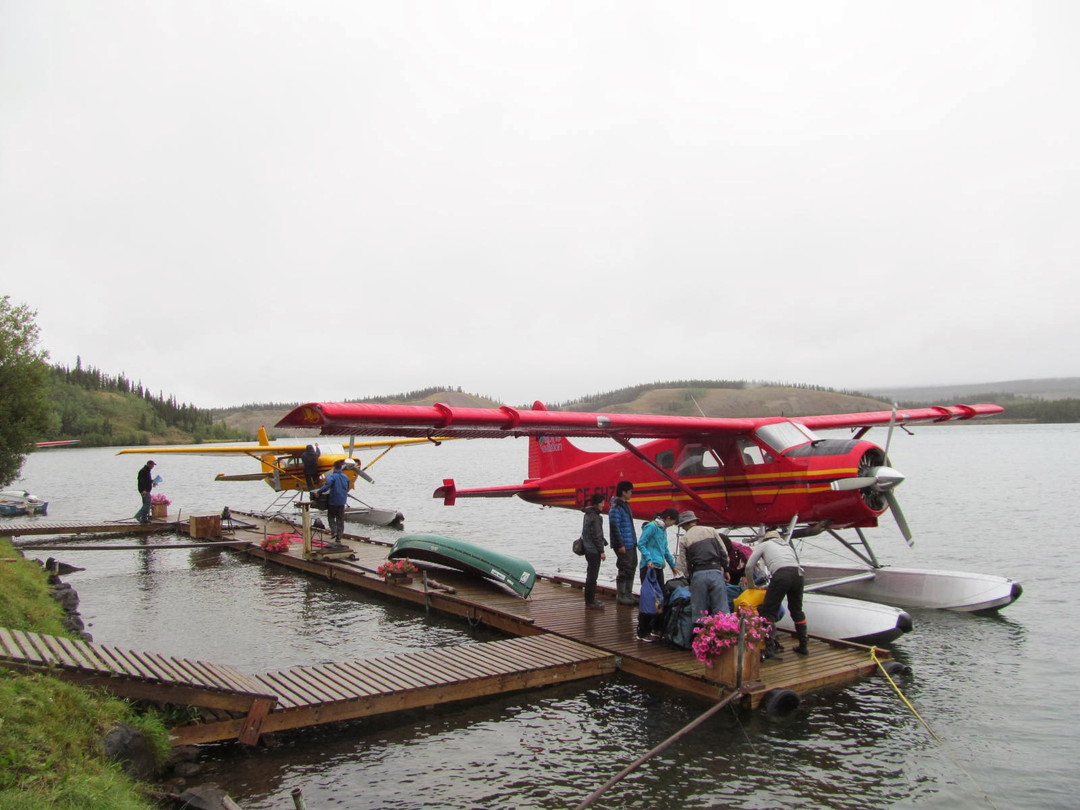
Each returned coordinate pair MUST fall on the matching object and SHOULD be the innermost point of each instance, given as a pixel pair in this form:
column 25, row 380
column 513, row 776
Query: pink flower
column 718, row 632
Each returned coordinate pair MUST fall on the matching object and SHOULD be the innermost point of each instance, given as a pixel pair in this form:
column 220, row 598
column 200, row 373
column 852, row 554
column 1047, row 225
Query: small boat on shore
column 18, row 502
column 513, row 572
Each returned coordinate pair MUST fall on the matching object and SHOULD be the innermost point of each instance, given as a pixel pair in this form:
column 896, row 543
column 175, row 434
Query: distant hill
column 723, row 398
column 249, row 418
column 1050, row 389
column 727, row 399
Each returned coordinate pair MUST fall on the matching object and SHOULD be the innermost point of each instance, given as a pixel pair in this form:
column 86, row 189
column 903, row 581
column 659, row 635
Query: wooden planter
column 399, row 579
column 725, row 668
column 159, row 510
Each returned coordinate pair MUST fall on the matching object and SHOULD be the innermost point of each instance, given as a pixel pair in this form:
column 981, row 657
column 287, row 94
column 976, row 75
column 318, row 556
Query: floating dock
column 554, row 610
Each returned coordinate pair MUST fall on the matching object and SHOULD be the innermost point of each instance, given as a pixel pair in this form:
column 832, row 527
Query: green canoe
column 510, row 571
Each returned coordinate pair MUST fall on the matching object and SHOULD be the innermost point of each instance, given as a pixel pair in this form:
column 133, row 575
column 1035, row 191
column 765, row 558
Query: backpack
column 678, row 619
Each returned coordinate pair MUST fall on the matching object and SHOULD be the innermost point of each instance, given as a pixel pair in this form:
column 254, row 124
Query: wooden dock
column 237, row 706
column 555, row 608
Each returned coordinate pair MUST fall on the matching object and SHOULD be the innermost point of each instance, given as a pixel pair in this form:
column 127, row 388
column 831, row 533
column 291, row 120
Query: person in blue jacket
column 623, row 542
column 336, row 488
column 653, row 548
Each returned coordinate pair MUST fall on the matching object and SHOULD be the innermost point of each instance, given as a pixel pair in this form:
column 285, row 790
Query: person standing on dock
column 145, row 482
column 785, row 581
column 623, row 543
column 592, row 538
column 654, row 555
column 337, row 489
column 310, row 460
column 703, row 558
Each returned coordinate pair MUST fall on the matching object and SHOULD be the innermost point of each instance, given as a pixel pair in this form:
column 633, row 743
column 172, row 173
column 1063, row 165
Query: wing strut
column 706, row 508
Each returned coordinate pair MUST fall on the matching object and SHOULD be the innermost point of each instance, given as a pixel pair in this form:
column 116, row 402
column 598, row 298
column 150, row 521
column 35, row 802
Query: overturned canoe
column 512, row 572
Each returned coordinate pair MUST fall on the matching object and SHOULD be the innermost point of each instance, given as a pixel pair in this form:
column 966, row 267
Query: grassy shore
column 51, row 732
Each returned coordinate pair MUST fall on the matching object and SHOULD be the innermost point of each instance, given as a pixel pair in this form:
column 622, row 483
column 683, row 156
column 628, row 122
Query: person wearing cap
column 653, row 548
column 145, row 482
column 704, row 559
column 337, row 489
column 592, row 538
column 785, row 582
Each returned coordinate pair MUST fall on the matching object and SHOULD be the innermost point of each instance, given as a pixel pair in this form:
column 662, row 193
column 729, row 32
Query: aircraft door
column 758, row 467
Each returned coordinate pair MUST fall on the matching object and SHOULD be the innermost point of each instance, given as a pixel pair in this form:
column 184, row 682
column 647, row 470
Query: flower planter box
column 724, row 668
column 159, row 510
column 399, row 579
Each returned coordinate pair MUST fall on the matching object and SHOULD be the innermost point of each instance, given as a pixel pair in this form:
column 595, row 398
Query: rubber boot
column 625, row 593
column 771, row 647
column 801, row 632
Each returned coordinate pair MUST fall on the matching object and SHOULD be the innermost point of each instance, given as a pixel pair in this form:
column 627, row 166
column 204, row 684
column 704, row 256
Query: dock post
column 305, row 526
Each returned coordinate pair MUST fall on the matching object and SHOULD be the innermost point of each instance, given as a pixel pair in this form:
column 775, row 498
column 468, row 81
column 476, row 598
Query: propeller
column 882, row 480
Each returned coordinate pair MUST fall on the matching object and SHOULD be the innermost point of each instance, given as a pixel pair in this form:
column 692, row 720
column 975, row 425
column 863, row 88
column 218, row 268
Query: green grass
column 51, row 731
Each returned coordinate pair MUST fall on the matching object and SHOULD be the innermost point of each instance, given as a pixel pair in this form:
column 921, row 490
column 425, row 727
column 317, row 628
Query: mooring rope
column 914, row 711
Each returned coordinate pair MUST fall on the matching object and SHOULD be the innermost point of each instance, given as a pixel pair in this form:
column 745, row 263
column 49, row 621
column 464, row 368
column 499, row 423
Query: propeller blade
column 848, row 484
column 894, row 507
column 888, row 437
column 365, row 476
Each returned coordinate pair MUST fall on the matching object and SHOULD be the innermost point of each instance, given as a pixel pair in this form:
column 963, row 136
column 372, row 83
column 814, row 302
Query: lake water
column 999, row 691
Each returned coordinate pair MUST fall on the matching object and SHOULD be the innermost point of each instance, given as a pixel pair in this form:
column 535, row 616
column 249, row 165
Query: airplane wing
column 259, row 450
column 365, row 419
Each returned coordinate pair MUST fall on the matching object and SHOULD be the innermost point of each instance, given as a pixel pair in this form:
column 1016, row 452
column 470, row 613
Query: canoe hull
column 513, row 572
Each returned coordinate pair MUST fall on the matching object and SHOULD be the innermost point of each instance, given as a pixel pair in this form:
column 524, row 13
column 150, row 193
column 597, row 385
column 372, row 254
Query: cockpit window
column 782, row 436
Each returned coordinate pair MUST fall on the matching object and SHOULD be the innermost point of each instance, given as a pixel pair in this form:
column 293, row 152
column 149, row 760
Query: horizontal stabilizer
column 242, row 477
column 450, row 493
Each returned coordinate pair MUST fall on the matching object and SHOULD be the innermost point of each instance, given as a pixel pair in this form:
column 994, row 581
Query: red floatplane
column 751, row 473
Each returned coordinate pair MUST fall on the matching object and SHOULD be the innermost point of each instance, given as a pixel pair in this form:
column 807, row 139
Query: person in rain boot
column 623, row 536
column 785, row 582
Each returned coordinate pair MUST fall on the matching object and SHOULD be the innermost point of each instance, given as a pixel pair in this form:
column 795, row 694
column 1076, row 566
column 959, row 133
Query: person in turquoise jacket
column 654, row 554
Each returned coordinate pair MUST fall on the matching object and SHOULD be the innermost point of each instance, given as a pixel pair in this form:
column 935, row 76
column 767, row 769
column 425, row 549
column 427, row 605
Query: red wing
column 362, row 419
column 938, row 413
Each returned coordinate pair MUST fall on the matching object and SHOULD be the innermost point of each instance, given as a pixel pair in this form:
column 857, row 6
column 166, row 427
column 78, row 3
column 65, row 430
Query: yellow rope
column 881, row 666
column 914, row 711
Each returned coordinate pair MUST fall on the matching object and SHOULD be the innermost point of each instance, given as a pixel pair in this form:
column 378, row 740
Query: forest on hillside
column 103, row 410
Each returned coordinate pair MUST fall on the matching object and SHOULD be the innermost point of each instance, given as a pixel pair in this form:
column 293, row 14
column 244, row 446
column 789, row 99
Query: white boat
column 850, row 619
column 914, row 588
column 375, row 517
column 17, row 502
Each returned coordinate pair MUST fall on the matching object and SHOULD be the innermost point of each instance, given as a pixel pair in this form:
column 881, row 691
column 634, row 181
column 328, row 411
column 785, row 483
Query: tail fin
column 549, row 455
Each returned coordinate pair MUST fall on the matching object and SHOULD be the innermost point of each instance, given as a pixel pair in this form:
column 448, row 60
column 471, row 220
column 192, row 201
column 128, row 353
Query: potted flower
column 399, row 571
column 716, row 640
column 277, row 543
column 159, row 505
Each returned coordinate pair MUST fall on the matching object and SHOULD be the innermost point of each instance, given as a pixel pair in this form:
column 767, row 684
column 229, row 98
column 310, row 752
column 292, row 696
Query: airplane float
column 735, row 473
column 283, row 470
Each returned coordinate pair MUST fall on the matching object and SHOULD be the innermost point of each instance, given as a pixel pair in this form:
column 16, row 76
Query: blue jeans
column 143, row 515
column 708, row 592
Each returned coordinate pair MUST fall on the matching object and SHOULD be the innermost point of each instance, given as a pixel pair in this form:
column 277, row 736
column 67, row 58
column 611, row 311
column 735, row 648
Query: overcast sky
column 242, row 202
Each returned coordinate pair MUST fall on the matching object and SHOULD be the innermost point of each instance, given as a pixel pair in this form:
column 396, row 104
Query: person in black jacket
column 145, row 482
column 310, row 459
column 592, row 538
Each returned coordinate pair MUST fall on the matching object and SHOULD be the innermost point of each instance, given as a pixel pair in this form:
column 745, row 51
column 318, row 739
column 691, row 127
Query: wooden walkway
column 20, row 527
column 240, row 706
column 141, row 675
column 555, row 608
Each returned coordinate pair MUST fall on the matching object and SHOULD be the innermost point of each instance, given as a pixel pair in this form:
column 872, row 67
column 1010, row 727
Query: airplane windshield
column 782, row 436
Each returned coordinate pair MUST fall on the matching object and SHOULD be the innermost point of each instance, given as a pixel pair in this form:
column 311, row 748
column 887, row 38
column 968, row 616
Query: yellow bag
column 750, row 598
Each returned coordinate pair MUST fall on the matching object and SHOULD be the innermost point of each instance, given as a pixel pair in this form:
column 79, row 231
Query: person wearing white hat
column 785, row 581
column 702, row 556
